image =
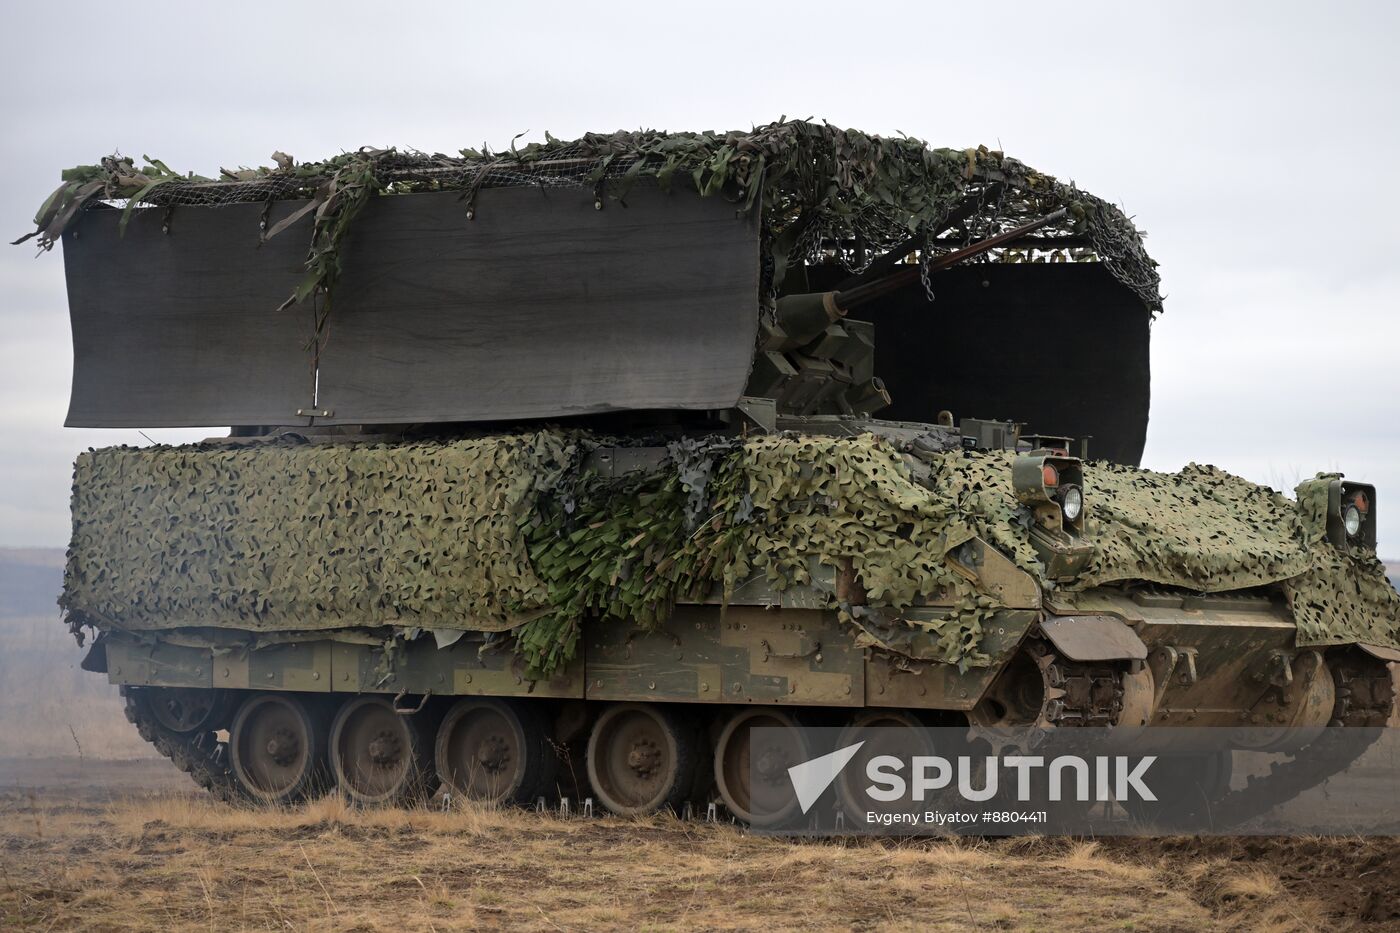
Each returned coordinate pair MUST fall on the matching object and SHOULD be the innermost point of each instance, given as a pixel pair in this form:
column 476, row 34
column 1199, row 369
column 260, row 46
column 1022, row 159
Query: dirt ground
column 127, row 846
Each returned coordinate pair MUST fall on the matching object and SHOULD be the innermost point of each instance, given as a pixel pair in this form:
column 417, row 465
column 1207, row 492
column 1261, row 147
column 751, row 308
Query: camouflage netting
column 506, row 533
column 827, row 193
column 294, row 537
column 766, row 507
column 1203, row 530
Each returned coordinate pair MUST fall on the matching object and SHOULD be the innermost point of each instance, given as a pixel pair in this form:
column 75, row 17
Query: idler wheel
column 495, row 750
column 751, row 771
column 186, row 709
column 881, row 732
column 277, row 748
column 379, row 756
column 641, row 759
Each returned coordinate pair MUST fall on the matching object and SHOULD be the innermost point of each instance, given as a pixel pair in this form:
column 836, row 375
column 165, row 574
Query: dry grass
column 181, row 861
column 1254, row 897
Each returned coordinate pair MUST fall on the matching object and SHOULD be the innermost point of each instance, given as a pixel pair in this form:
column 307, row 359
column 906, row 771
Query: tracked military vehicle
column 608, row 452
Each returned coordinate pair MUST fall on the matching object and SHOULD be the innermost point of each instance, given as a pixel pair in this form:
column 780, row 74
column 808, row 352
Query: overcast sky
column 1256, row 144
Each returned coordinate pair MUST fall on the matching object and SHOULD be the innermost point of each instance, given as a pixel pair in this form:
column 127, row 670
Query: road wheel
column 379, row 756
column 187, row 709
column 763, row 796
column 882, row 732
column 495, row 750
column 641, row 759
column 277, row 748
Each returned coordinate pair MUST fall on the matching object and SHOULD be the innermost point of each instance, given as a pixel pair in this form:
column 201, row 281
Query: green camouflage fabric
column 1202, row 530
column 816, row 185
column 510, row 534
column 771, row 506
column 290, row 536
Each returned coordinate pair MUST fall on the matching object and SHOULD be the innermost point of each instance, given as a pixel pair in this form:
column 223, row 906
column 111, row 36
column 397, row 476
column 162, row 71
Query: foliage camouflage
column 510, row 533
column 820, row 185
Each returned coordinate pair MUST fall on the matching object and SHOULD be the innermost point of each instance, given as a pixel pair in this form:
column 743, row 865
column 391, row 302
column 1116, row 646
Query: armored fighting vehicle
column 587, row 453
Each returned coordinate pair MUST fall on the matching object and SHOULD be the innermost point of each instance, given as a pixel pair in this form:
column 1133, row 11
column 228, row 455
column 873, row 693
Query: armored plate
column 159, row 665
column 1007, row 321
column 898, row 682
column 461, row 669
column 540, row 306
column 182, row 328
column 742, row 654
column 323, row 666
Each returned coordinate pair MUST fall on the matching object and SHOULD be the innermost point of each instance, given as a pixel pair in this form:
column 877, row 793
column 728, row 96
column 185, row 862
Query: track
column 1365, row 699
column 200, row 755
column 1082, row 695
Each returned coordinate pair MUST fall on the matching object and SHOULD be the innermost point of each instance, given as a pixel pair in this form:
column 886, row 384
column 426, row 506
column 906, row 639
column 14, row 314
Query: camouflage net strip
column 630, row 549
column 300, row 537
column 507, row 534
column 1201, row 529
column 827, row 193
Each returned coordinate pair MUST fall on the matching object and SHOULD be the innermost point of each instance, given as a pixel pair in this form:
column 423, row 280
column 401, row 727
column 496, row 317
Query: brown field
column 127, row 846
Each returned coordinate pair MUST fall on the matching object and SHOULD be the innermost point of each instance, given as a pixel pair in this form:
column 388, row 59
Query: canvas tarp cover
column 538, row 306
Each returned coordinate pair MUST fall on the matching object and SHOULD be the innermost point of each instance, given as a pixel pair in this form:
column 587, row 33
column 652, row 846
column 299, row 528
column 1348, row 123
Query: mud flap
column 1094, row 638
column 95, row 661
column 1380, row 653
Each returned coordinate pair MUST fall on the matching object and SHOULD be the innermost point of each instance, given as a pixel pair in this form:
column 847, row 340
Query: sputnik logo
column 1117, row 776
column 811, row 778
